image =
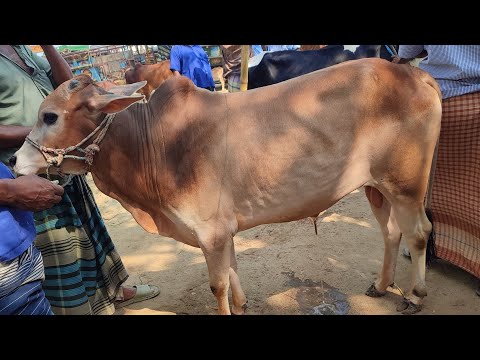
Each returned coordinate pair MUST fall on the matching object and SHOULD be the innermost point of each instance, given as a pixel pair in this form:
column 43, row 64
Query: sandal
column 144, row 292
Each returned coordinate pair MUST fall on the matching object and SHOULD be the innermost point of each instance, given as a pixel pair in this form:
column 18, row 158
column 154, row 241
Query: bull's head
column 67, row 116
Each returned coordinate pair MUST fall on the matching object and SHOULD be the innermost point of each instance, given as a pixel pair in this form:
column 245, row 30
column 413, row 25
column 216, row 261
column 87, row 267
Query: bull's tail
column 431, row 249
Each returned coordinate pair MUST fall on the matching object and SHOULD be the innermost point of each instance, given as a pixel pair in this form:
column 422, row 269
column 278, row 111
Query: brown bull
column 106, row 84
column 199, row 166
column 154, row 75
column 311, row 47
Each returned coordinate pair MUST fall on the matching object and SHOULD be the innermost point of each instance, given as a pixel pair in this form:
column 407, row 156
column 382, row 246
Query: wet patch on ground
column 317, row 298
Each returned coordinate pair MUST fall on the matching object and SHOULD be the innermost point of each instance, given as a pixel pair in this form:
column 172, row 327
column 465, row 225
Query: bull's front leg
column 216, row 247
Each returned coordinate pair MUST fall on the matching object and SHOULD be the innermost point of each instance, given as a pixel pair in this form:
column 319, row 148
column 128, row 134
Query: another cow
column 217, row 74
column 200, row 166
column 279, row 66
column 311, row 47
column 106, row 84
column 154, row 75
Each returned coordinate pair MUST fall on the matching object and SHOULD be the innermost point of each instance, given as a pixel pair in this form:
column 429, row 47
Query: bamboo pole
column 244, row 68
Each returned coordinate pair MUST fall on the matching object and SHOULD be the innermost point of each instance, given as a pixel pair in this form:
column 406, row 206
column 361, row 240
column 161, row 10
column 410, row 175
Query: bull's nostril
column 13, row 161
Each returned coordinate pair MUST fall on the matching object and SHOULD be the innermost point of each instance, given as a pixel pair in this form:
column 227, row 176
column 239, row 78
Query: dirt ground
column 284, row 268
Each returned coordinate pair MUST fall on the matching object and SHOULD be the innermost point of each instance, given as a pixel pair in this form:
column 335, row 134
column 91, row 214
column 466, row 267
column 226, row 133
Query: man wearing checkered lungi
column 232, row 62
column 454, row 188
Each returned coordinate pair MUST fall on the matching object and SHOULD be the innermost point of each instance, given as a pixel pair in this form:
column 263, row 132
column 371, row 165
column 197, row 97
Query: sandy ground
column 284, row 268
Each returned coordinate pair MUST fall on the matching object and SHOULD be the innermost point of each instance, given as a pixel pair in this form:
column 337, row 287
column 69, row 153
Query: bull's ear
column 127, row 90
column 112, row 103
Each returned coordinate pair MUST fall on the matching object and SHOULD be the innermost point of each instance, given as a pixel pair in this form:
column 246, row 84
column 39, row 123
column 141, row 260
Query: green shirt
column 21, row 93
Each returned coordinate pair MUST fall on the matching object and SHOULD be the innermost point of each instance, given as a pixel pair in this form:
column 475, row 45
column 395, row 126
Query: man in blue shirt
column 192, row 61
column 282, row 47
column 21, row 265
column 257, row 49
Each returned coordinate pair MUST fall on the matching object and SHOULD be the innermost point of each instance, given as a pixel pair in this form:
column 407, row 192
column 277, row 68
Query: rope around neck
column 60, row 154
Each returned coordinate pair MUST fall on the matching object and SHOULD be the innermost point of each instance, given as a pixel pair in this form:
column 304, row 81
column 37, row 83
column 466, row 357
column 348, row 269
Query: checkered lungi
column 83, row 271
column 455, row 189
column 233, row 82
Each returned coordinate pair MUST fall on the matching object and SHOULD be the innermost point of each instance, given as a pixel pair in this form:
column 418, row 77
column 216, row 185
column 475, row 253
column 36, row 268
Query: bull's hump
column 171, row 96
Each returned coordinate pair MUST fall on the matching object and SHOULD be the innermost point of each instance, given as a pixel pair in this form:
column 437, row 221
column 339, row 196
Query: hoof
column 373, row 292
column 240, row 312
column 408, row 308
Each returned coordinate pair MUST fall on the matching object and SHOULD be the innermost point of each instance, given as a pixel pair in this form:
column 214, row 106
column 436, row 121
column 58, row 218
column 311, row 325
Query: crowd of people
column 56, row 255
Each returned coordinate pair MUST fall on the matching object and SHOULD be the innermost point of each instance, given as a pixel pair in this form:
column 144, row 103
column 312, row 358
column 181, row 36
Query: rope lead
column 60, row 154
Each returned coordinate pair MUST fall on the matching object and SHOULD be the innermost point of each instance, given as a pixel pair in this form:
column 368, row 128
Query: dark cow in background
column 154, row 74
column 368, row 51
column 279, row 66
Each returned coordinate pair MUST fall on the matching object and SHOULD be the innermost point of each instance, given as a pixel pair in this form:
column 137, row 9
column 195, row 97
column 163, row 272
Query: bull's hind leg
column 238, row 296
column 383, row 212
column 415, row 228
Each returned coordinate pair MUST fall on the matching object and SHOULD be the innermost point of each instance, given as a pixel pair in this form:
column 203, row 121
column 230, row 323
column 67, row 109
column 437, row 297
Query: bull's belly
column 301, row 195
column 253, row 213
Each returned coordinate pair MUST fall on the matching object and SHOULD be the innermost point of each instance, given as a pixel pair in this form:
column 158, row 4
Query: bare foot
column 128, row 292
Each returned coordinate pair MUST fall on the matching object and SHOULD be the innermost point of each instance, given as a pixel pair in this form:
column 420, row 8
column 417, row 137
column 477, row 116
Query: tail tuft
column 431, row 250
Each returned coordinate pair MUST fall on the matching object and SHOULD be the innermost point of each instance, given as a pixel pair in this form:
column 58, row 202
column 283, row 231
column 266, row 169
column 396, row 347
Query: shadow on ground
column 284, row 268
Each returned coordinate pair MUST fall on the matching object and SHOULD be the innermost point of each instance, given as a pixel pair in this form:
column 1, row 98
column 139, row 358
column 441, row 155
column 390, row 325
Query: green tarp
column 69, row 48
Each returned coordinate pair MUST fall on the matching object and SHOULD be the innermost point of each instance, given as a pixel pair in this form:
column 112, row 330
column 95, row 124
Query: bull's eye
column 50, row 118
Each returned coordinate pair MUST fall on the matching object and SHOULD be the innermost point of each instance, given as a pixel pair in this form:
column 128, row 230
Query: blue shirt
column 17, row 228
column 257, row 49
column 192, row 61
column 455, row 67
column 282, row 47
